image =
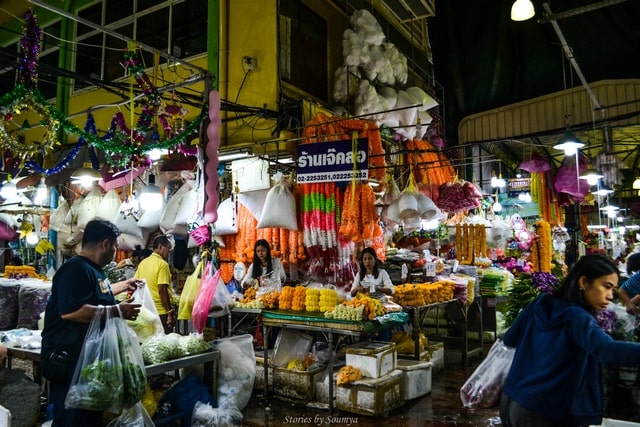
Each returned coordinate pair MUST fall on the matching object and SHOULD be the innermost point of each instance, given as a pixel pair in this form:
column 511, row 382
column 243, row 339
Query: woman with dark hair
column 556, row 378
column 263, row 265
column 371, row 279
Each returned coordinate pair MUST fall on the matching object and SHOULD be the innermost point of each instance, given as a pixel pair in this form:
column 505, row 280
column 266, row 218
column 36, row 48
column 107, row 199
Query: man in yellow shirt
column 155, row 270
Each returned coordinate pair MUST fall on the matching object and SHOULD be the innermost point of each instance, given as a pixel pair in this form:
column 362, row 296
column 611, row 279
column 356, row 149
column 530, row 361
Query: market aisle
column 441, row 407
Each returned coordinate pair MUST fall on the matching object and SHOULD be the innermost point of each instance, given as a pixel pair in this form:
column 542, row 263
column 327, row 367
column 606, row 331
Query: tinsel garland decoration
column 30, row 43
column 16, row 103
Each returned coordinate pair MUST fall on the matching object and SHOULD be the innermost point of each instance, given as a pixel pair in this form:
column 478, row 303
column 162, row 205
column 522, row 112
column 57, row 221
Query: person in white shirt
column 371, row 279
column 263, row 266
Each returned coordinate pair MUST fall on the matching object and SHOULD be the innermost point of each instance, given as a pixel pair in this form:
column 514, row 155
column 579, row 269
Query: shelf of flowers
column 322, row 300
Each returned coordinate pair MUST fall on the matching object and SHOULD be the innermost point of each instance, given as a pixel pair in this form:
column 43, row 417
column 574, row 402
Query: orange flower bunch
column 271, row 300
column 249, row 295
column 286, row 297
column 299, row 298
column 359, row 218
column 542, row 247
column 429, row 166
column 348, row 374
column 19, row 271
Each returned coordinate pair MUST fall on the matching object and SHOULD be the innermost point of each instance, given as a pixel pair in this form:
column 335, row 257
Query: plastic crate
column 372, row 396
column 374, row 359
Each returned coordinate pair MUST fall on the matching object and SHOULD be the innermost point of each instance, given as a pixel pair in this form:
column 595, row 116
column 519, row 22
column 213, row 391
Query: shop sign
column 333, row 161
column 516, row 186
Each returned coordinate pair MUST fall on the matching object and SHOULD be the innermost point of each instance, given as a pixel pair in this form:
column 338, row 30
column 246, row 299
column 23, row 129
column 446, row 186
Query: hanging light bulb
column 636, row 184
column 521, row 10
column 42, row 193
column 151, row 197
column 9, row 190
column 494, row 180
column 592, row 176
column 32, row 238
column 602, row 190
column 497, row 207
column 85, row 176
column 569, row 143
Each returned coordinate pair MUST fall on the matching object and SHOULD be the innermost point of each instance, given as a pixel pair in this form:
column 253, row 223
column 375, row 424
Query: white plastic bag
column 237, row 371
column 484, row 387
column 279, row 207
column 227, row 222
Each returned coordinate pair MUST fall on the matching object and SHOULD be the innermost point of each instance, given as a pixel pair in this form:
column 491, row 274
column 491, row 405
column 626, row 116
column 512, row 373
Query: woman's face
column 369, row 261
column 261, row 252
column 599, row 293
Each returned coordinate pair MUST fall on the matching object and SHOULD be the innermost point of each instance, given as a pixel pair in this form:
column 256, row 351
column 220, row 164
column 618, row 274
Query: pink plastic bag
column 201, row 306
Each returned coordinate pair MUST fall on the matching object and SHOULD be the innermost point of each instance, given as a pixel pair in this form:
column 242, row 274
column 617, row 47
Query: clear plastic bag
column 134, row 375
column 484, row 387
column 148, row 322
column 97, row 382
column 135, row 416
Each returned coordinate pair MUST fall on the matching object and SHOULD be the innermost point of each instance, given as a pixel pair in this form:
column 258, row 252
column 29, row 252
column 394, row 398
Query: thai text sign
column 333, row 161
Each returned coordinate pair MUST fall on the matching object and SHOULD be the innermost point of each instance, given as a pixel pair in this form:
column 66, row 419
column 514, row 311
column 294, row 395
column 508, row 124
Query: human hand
column 129, row 310
column 171, row 318
column 633, row 309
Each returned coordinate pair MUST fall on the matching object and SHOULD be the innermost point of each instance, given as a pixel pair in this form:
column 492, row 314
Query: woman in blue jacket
column 555, row 378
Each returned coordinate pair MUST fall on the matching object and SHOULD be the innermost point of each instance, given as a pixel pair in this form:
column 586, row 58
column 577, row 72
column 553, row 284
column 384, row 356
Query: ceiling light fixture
column 569, row 143
column 85, row 176
column 42, row 193
column 603, row 190
column 233, row 155
column 521, row 10
column 592, row 176
column 9, row 189
column 151, row 197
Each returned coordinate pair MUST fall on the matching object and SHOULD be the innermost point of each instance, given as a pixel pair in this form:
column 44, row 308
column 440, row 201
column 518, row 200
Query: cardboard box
column 374, row 359
column 372, row 396
column 296, row 385
column 416, row 378
column 436, row 350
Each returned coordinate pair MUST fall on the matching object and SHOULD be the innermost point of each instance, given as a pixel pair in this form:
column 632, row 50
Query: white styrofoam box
column 610, row 422
column 259, row 381
column 294, row 384
column 436, row 349
column 374, row 359
column 416, row 378
column 371, row 396
column 322, row 386
column 5, row 417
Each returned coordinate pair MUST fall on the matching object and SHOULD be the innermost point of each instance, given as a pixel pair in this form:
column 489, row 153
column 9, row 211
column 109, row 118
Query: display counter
column 208, row 359
column 316, row 323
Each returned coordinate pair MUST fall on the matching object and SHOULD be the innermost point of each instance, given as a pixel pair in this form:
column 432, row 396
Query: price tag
column 430, row 269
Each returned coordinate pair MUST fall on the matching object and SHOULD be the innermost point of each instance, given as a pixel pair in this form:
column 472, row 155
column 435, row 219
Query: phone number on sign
column 333, row 176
